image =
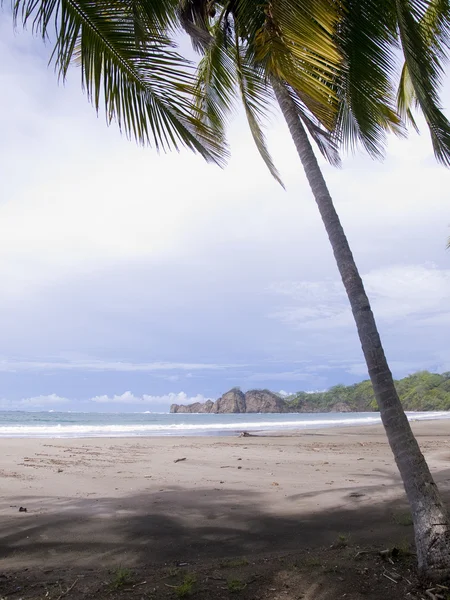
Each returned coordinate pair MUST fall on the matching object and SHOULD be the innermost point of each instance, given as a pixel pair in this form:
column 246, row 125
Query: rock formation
column 235, row 401
column 196, row 407
column 231, row 402
column 263, row 401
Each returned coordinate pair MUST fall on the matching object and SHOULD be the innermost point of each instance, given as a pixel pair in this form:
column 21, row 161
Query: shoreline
column 74, row 430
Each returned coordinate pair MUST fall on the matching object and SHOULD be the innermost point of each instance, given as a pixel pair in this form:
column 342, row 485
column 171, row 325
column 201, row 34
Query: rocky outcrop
column 231, row 402
column 179, row 408
column 205, row 407
column 235, row 401
column 263, row 401
column 196, row 407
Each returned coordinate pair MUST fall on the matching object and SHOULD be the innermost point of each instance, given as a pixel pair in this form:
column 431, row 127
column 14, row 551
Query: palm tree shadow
column 179, row 525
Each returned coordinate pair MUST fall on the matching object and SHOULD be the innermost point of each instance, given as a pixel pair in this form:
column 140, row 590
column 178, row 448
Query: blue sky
column 132, row 280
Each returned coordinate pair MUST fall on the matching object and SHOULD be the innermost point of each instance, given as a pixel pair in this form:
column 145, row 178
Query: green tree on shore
column 330, row 65
column 417, row 392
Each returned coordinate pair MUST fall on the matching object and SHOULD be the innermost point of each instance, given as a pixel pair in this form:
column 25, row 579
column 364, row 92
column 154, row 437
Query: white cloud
column 308, row 290
column 280, row 376
column 145, row 399
column 400, row 291
column 14, row 366
column 396, row 292
column 322, row 317
column 118, row 401
column 410, row 303
column 401, row 366
column 36, row 402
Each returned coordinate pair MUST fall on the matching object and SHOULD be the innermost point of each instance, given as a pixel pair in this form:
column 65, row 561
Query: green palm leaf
column 293, row 41
column 146, row 86
column 195, row 16
column 326, row 141
column 424, row 36
column 406, row 97
column 216, row 82
column 255, row 94
column 367, row 111
column 223, row 71
column 434, row 26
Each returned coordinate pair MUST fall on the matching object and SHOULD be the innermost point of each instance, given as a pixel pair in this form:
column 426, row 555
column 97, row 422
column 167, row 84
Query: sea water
column 89, row 424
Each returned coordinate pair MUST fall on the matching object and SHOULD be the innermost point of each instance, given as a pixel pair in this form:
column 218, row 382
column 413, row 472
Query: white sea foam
column 184, row 428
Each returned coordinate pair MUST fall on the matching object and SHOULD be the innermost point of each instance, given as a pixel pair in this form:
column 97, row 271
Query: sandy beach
column 109, row 502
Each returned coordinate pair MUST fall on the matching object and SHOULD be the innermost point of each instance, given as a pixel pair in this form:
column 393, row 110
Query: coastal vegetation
column 420, row 391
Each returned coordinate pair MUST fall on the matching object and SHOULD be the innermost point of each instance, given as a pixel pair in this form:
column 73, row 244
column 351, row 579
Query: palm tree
column 330, row 65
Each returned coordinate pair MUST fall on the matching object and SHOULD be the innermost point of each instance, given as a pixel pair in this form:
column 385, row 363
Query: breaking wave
column 178, row 425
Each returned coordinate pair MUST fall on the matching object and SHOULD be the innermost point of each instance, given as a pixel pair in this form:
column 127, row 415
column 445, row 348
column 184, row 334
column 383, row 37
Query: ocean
column 78, row 425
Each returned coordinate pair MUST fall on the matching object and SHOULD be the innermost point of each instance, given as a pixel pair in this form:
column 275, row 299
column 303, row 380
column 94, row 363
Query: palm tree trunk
column 431, row 523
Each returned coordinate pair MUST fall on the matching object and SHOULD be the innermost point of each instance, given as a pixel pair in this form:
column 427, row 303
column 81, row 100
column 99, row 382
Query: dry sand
column 127, row 501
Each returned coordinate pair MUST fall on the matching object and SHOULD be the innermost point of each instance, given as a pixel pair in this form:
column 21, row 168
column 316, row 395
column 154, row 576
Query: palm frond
column 216, row 82
column 194, row 17
column 434, row 26
column 423, row 38
column 159, row 15
column 293, row 40
column 224, row 70
column 145, row 87
column 326, row 142
column 255, row 94
column 367, row 111
column 154, row 17
column 406, row 97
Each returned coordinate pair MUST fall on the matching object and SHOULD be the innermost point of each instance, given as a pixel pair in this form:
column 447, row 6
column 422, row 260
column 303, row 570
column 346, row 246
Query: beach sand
column 94, row 504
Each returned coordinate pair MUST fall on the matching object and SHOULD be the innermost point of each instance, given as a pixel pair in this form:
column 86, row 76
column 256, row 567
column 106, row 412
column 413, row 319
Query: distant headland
column 420, row 391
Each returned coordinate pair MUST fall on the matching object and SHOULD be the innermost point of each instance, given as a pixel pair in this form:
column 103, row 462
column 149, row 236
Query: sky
column 131, row 280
